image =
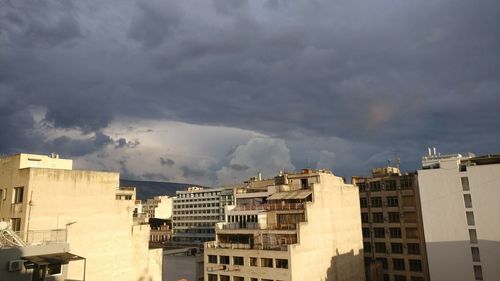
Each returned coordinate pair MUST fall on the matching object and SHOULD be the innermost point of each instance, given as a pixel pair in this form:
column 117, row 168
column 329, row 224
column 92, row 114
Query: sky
column 212, row 92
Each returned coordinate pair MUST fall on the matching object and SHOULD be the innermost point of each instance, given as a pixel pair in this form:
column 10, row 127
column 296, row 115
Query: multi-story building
column 300, row 226
column 391, row 218
column 460, row 210
column 40, row 194
column 159, row 207
column 196, row 211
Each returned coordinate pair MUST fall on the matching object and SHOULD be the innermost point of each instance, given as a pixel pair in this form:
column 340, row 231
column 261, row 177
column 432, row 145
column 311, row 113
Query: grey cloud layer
column 387, row 74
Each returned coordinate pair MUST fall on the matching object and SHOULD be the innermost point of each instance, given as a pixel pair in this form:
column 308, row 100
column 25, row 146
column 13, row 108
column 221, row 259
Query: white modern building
column 460, row 210
column 196, row 211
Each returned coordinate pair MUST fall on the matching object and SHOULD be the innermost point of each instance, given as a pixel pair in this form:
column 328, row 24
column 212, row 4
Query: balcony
column 41, row 237
column 243, row 246
column 257, row 226
column 270, row 207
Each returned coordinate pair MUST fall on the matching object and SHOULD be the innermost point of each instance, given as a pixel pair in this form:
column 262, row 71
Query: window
column 254, row 279
column 378, row 217
column 224, row 277
column 238, row 278
column 212, row 277
column 362, row 186
column 417, row 278
column 410, row 217
column 366, row 232
column 392, row 201
column 470, row 218
column 377, row 202
column 415, row 265
column 363, row 202
column 413, row 249
column 15, row 224
column 238, row 260
column 212, row 259
column 473, row 235
column 398, row 264
column 224, row 259
column 395, row 232
column 465, row 183
column 478, row 272
column 266, row 262
column 396, row 248
column 17, row 195
column 375, row 186
column 475, row 254
column 379, row 232
column 406, row 182
column 393, row 216
column 281, row 263
column 467, row 201
column 367, row 247
column 390, row 185
column 386, row 277
column 408, row 201
column 380, row 248
column 364, row 217
column 411, row 232
column 383, row 261
column 399, row 278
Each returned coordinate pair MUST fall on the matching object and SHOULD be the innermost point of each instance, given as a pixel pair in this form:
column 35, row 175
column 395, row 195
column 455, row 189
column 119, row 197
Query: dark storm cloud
column 78, row 147
column 396, row 75
column 166, row 162
column 239, row 167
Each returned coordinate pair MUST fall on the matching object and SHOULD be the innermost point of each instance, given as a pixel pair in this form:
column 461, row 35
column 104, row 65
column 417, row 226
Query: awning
column 62, row 258
column 296, row 194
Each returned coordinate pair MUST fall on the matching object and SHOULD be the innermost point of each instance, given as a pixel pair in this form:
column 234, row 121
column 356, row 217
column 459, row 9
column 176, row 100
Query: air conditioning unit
column 15, row 265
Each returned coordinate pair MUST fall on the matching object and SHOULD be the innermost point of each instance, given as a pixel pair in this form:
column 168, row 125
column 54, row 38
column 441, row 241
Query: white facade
column 196, row 211
column 460, row 209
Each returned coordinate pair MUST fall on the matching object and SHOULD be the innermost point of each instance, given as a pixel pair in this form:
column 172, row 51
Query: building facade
column 459, row 198
column 160, row 207
column 393, row 236
column 196, row 211
column 301, row 226
column 40, row 194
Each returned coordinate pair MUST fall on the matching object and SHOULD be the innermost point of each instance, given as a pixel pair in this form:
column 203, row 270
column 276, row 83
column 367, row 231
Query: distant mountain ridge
column 149, row 189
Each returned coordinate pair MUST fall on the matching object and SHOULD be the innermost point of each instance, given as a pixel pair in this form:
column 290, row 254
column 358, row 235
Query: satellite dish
column 3, row 225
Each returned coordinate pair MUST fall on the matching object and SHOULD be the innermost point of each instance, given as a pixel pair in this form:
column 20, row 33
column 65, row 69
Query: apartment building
column 42, row 197
column 159, row 207
column 393, row 236
column 296, row 226
column 196, row 211
column 459, row 198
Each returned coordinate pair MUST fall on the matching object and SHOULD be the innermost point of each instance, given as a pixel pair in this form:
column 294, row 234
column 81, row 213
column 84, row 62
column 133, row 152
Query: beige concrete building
column 393, row 237
column 460, row 209
column 300, row 226
column 40, row 194
column 160, row 207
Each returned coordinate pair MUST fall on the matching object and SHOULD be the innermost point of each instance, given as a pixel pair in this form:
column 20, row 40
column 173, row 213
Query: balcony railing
column 270, row 207
column 242, row 246
column 254, row 225
column 37, row 237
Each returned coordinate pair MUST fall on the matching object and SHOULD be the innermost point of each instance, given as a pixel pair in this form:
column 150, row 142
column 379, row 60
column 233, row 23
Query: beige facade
column 302, row 226
column 159, row 207
column 393, row 237
column 41, row 193
column 460, row 211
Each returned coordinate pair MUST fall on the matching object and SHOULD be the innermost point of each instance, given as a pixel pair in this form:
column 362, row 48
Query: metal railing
column 43, row 236
column 254, row 225
column 243, row 246
column 270, row 207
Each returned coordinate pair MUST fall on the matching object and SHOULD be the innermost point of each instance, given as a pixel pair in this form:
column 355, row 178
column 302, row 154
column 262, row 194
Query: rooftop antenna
column 398, row 161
